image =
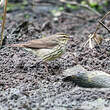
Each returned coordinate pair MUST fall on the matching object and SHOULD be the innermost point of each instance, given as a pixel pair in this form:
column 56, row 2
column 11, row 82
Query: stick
column 104, row 26
column 3, row 22
column 98, row 26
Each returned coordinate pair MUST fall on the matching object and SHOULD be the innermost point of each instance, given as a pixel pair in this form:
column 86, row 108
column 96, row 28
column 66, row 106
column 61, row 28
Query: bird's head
column 62, row 38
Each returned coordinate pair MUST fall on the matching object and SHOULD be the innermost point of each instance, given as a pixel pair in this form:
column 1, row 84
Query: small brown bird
column 47, row 48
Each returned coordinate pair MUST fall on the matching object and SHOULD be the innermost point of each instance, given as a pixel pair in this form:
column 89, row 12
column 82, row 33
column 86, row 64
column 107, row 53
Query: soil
column 24, row 83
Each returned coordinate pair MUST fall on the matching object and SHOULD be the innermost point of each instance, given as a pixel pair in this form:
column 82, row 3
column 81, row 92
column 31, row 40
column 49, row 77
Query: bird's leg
column 46, row 67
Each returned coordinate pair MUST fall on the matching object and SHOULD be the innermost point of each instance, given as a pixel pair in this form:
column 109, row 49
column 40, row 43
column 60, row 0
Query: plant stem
column 104, row 26
column 3, row 21
column 98, row 26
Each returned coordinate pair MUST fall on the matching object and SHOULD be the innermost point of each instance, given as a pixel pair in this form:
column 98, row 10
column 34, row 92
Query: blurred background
column 47, row 15
column 99, row 5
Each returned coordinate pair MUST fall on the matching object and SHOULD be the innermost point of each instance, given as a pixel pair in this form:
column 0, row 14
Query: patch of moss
column 27, row 16
column 12, row 6
column 61, row 8
column 72, row 6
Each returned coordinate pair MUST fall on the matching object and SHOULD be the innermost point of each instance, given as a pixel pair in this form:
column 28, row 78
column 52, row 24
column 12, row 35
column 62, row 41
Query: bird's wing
column 40, row 44
column 43, row 43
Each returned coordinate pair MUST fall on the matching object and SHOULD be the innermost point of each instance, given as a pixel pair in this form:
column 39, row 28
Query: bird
column 46, row 48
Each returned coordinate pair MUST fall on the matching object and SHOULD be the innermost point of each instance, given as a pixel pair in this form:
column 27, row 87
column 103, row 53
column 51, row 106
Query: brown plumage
column 42, row 43
column 48, row 48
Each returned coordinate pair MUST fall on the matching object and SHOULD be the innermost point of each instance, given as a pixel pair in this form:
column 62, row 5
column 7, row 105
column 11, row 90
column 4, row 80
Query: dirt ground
column 24, row 83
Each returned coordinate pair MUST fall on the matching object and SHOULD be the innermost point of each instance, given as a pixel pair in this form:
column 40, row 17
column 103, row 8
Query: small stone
column 84, row 78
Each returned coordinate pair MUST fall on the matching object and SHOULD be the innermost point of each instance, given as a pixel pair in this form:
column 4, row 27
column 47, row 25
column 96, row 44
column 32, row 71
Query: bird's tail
column 16, row 45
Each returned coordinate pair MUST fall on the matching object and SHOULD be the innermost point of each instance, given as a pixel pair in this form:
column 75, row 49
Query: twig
column 3, row 22
column 90, row 37
column 84, row 6
column 98, row 26
column 104, row 26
